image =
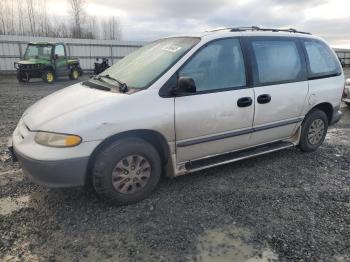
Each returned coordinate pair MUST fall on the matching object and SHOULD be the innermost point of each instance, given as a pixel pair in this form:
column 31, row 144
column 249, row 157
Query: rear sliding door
column 280, row 87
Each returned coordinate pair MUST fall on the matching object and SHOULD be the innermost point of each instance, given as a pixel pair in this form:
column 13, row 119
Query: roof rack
column 256, row 28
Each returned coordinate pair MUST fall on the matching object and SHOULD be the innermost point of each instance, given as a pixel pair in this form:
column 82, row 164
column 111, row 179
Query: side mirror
column 55, row 57
column 185, row 85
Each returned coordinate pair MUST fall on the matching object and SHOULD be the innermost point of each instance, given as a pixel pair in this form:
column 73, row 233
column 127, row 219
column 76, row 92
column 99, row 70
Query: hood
column 33, row 61
column 73, row 98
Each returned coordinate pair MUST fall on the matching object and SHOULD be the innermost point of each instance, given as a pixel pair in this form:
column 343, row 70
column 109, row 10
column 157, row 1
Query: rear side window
column 322, row 62
column 277, row 61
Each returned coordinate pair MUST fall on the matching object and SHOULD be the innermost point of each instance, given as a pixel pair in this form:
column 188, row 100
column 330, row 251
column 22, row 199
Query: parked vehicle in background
column 47, row 61
column 346, row 94
column 100, row 67
column 180, row 105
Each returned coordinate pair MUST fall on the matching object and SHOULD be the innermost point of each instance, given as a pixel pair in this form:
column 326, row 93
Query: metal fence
column 344, row 56
column 12, row 49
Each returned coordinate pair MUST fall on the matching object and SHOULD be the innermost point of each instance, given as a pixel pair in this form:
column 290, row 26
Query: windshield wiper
column 122, row 86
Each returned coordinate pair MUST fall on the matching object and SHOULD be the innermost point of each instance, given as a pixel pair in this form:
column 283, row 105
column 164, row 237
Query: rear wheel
column 74, row 74
column 48, row 76
column 314, row 130
column 126, row 171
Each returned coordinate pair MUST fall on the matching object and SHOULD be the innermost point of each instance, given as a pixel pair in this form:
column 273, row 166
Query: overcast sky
column 151, row 19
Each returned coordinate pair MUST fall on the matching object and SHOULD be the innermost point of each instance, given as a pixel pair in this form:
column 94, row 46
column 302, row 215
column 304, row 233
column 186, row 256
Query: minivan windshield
column 38, row 51
column 144, row 66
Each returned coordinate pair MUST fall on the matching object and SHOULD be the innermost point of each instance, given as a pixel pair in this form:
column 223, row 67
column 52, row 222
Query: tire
column 80, row 71
column 48, row 76
column 126, row 154
column 22, row 78
column 311, row 140
column 74, row 74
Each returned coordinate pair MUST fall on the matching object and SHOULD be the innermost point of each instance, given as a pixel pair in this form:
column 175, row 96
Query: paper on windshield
column 171, row 48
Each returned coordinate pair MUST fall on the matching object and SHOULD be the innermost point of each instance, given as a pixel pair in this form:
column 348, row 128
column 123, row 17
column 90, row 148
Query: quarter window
column 218, row 65
column 59, row 50
column 322, row 61
column 277, row 61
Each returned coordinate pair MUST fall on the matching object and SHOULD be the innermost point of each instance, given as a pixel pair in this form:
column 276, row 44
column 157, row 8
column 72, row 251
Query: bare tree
column 31, row 16
column 42, row 18
column 3, row 29
column 10, row 17
column 20, row 18
column 111, row 28
column 78, row 14
column 93, row 27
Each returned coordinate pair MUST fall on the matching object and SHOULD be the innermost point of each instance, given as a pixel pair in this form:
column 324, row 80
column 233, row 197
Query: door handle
column 244, row 102
column 264, row 99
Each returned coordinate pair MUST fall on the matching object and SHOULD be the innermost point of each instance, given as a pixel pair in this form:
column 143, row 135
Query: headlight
column 57, row 140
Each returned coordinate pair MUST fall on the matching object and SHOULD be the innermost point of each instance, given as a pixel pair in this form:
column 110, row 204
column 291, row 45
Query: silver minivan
column 180, row 105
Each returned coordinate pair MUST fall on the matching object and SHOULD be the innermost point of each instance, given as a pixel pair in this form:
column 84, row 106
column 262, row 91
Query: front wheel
column 48, row 76
column 22, row 77
column 126, row 171
column 313, row 131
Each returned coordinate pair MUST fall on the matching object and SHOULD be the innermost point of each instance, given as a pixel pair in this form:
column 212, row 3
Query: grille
column 30, row 66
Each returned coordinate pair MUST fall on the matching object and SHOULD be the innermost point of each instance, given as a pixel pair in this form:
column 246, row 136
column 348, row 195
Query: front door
column 280, row 86
column 218, row 117
column 61, row 63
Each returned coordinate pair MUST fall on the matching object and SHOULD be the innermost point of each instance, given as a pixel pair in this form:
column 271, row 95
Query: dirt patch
column 289, row 205
column 231, row 244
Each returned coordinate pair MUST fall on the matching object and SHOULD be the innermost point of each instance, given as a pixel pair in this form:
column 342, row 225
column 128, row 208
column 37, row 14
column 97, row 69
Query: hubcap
column 49, row 77
column 316, row 131
column 131, row 174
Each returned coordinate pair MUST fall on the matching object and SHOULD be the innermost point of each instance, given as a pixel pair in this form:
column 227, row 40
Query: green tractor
column 48, row 61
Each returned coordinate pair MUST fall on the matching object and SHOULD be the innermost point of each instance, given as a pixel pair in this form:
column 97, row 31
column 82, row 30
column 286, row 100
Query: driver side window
column 218, row 65
column 59, row 51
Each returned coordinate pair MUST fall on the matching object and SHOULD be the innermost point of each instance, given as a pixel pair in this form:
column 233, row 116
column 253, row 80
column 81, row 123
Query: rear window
column 322, row 62
column 277, row 61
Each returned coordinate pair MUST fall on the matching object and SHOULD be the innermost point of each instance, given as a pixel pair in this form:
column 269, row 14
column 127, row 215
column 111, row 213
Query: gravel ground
column 286, row 206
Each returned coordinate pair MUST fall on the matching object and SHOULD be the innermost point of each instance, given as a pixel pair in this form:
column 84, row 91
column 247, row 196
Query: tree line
column 31, row 18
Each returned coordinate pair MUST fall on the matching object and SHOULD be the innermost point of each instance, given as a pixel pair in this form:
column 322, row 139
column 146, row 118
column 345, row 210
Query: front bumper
column 48, row 166
column 57, row 173
column 33, row 73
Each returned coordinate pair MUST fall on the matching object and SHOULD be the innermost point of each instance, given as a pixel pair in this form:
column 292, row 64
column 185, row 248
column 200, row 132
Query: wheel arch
column 153, row 137
column 49, row 67
column 327, row 108
column 76, row 65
